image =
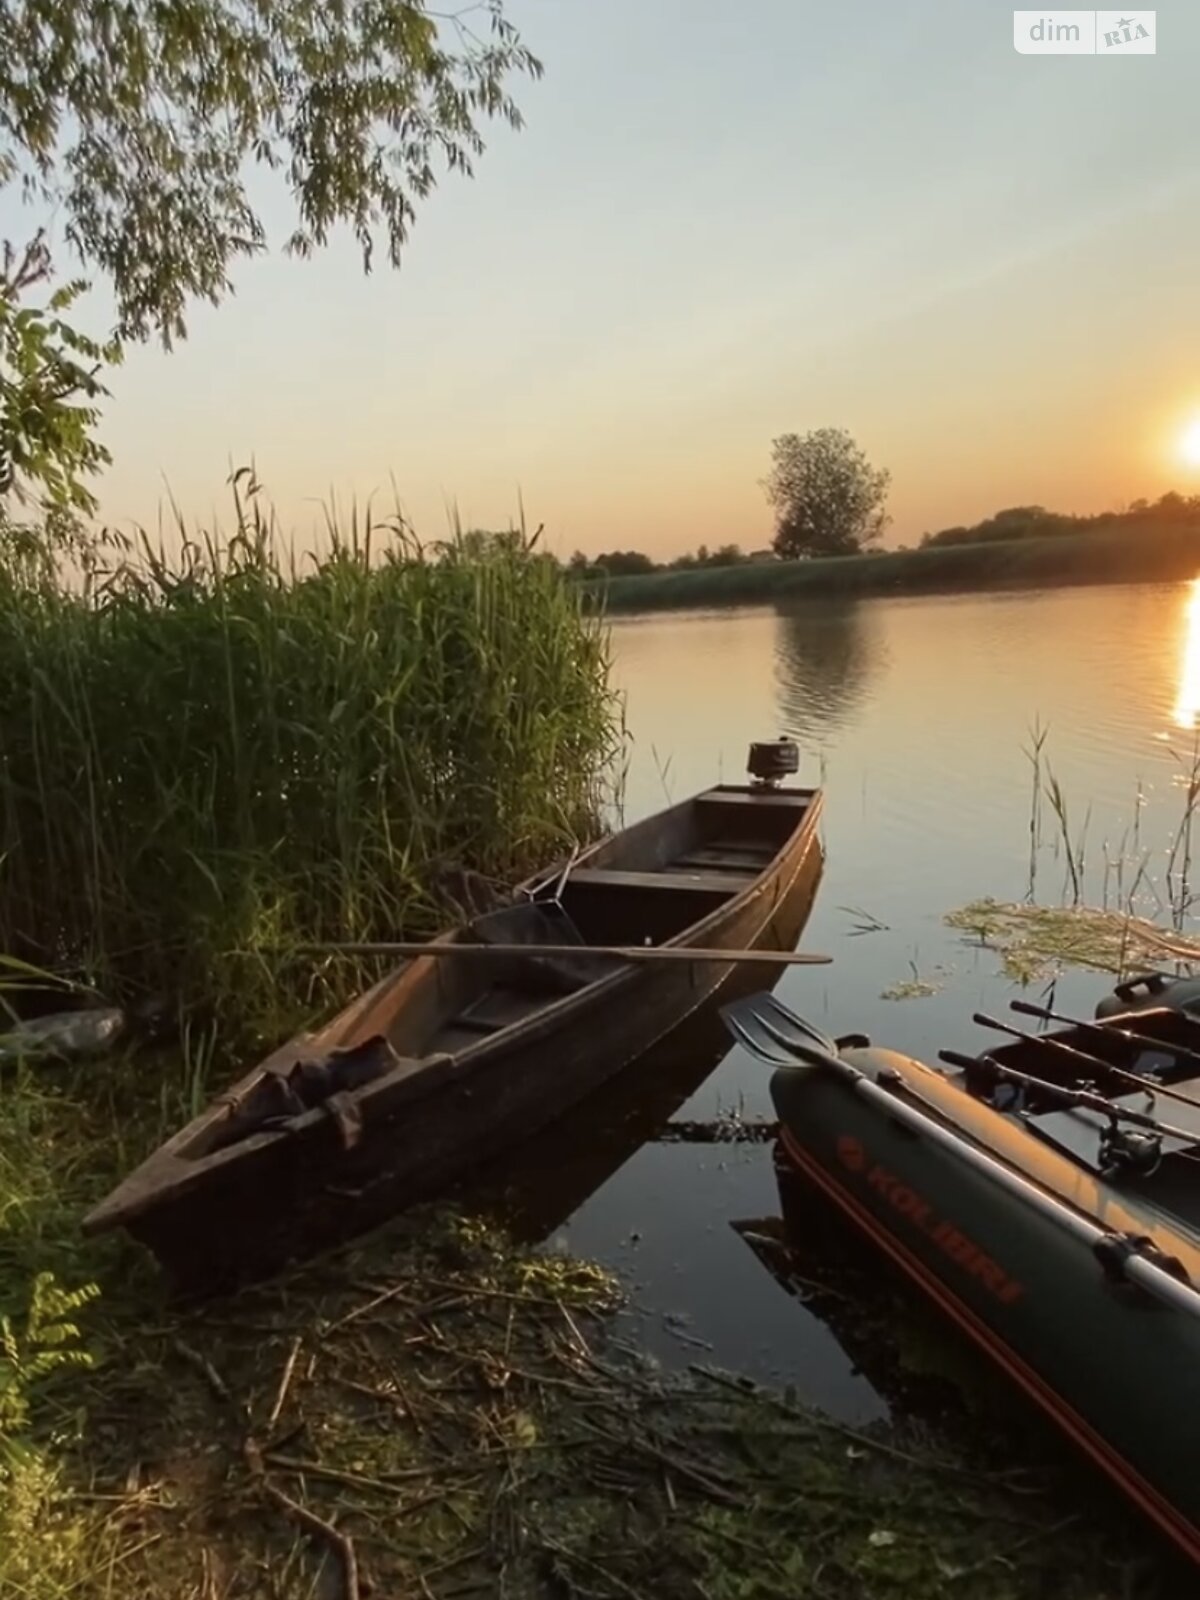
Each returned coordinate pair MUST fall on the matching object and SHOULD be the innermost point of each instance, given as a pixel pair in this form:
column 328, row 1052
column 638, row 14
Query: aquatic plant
column 1099, row 925
column 210, row 756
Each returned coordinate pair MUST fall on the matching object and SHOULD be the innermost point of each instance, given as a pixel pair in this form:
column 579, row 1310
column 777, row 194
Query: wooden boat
column 540, row 1183
column 447, row 1061
column 1046, row 1196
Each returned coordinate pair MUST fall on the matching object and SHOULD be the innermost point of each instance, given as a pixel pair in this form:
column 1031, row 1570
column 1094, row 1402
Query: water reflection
column 827, row 652
column 904, row 1354
column 1187, row 700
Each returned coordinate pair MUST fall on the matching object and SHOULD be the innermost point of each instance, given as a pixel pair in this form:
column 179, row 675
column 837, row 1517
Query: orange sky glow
column 980, row 263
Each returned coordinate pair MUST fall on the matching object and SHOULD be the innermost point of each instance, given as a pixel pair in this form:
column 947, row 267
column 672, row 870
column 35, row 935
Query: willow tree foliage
column 49, row 386
column 141, row 124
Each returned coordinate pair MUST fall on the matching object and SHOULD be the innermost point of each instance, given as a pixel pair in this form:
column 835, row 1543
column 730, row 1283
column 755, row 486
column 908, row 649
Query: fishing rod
column 1083, row 1099
column 1043, row 1041
column 1149, row 1086
column 1181, row 1052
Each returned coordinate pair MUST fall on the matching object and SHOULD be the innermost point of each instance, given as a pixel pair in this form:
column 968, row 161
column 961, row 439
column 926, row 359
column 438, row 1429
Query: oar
column 619, row 952
column 776, row 1035
column 1102, row 1030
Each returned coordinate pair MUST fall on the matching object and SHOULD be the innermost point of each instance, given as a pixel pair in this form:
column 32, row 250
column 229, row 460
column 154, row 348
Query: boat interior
column 1121, row 1096
column 646, row 886
column 652, row 883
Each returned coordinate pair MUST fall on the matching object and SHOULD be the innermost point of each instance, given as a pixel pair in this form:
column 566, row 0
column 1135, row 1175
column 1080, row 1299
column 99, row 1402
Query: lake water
column 914, row 715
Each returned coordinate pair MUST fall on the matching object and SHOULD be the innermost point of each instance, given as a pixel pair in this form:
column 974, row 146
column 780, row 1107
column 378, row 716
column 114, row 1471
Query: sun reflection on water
column 1187, row 699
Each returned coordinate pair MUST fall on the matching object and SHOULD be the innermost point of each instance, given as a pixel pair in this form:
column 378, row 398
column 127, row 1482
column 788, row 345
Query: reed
column 1136, row 917
column 211, row 757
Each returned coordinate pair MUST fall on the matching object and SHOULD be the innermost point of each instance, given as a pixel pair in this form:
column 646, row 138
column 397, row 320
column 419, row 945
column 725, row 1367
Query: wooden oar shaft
column 636, row 952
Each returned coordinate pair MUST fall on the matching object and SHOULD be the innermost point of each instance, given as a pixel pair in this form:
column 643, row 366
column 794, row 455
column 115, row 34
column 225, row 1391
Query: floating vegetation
column 910, row 989
column 914, row 988
column 864, row 922
column 1033, row 941
column 727, row 1127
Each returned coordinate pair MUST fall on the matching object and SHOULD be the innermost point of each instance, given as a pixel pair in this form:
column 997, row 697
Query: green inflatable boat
column 1046, row 1195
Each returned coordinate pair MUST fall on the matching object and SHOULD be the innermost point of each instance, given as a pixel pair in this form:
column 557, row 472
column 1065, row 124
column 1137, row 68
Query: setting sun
column 1189, row 442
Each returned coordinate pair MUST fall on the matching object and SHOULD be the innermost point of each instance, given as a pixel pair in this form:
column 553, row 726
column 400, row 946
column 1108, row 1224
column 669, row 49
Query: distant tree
column 1174, row 507
column 1014, row 522
column 476, row 543
column 726, row 555
column 828, row 498
column 1035, row 522
column 624, row 563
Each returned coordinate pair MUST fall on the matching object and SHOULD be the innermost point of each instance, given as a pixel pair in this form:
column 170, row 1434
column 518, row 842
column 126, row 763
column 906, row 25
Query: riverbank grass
column 434, row 1411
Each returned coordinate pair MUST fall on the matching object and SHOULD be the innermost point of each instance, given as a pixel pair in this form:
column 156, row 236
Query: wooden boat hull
column 218, row 1220
column 1118, row 1371
column 540, row 1184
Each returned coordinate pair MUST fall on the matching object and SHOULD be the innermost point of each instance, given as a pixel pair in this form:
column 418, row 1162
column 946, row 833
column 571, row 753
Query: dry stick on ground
column 483, row 1291
column 588, row 1565
column 822, row 1423
column 354, row 1480
column 416, row 1314
column 341, row 1543
column 393, row 1293
column 710, row 1486
column 583, row 1346
column 285, row 1380
column 204, row 1366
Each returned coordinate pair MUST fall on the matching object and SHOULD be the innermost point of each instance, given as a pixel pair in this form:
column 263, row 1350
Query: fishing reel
column 1129, row 1150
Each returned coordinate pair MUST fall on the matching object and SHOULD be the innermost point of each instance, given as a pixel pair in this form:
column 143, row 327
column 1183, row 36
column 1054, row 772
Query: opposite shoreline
column 1139, row 553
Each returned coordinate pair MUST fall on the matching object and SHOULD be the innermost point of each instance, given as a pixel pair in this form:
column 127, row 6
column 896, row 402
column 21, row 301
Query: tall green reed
column 210, row 756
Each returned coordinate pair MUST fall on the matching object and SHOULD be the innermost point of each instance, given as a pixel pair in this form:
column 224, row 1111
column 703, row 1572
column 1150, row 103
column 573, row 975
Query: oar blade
column 775, row 1034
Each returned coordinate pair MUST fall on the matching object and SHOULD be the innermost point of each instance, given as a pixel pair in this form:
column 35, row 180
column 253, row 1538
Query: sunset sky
column 722, row 223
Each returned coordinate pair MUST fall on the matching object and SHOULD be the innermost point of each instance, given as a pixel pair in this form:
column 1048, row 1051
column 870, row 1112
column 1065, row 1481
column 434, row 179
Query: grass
column 208, row 759
column 1121, row 555
column 436, row 1412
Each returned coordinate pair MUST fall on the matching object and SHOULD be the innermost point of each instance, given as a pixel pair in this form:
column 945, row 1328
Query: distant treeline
column 1016, row 522
column 1035, row 522
column 633, row 563
column 1150, row 549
